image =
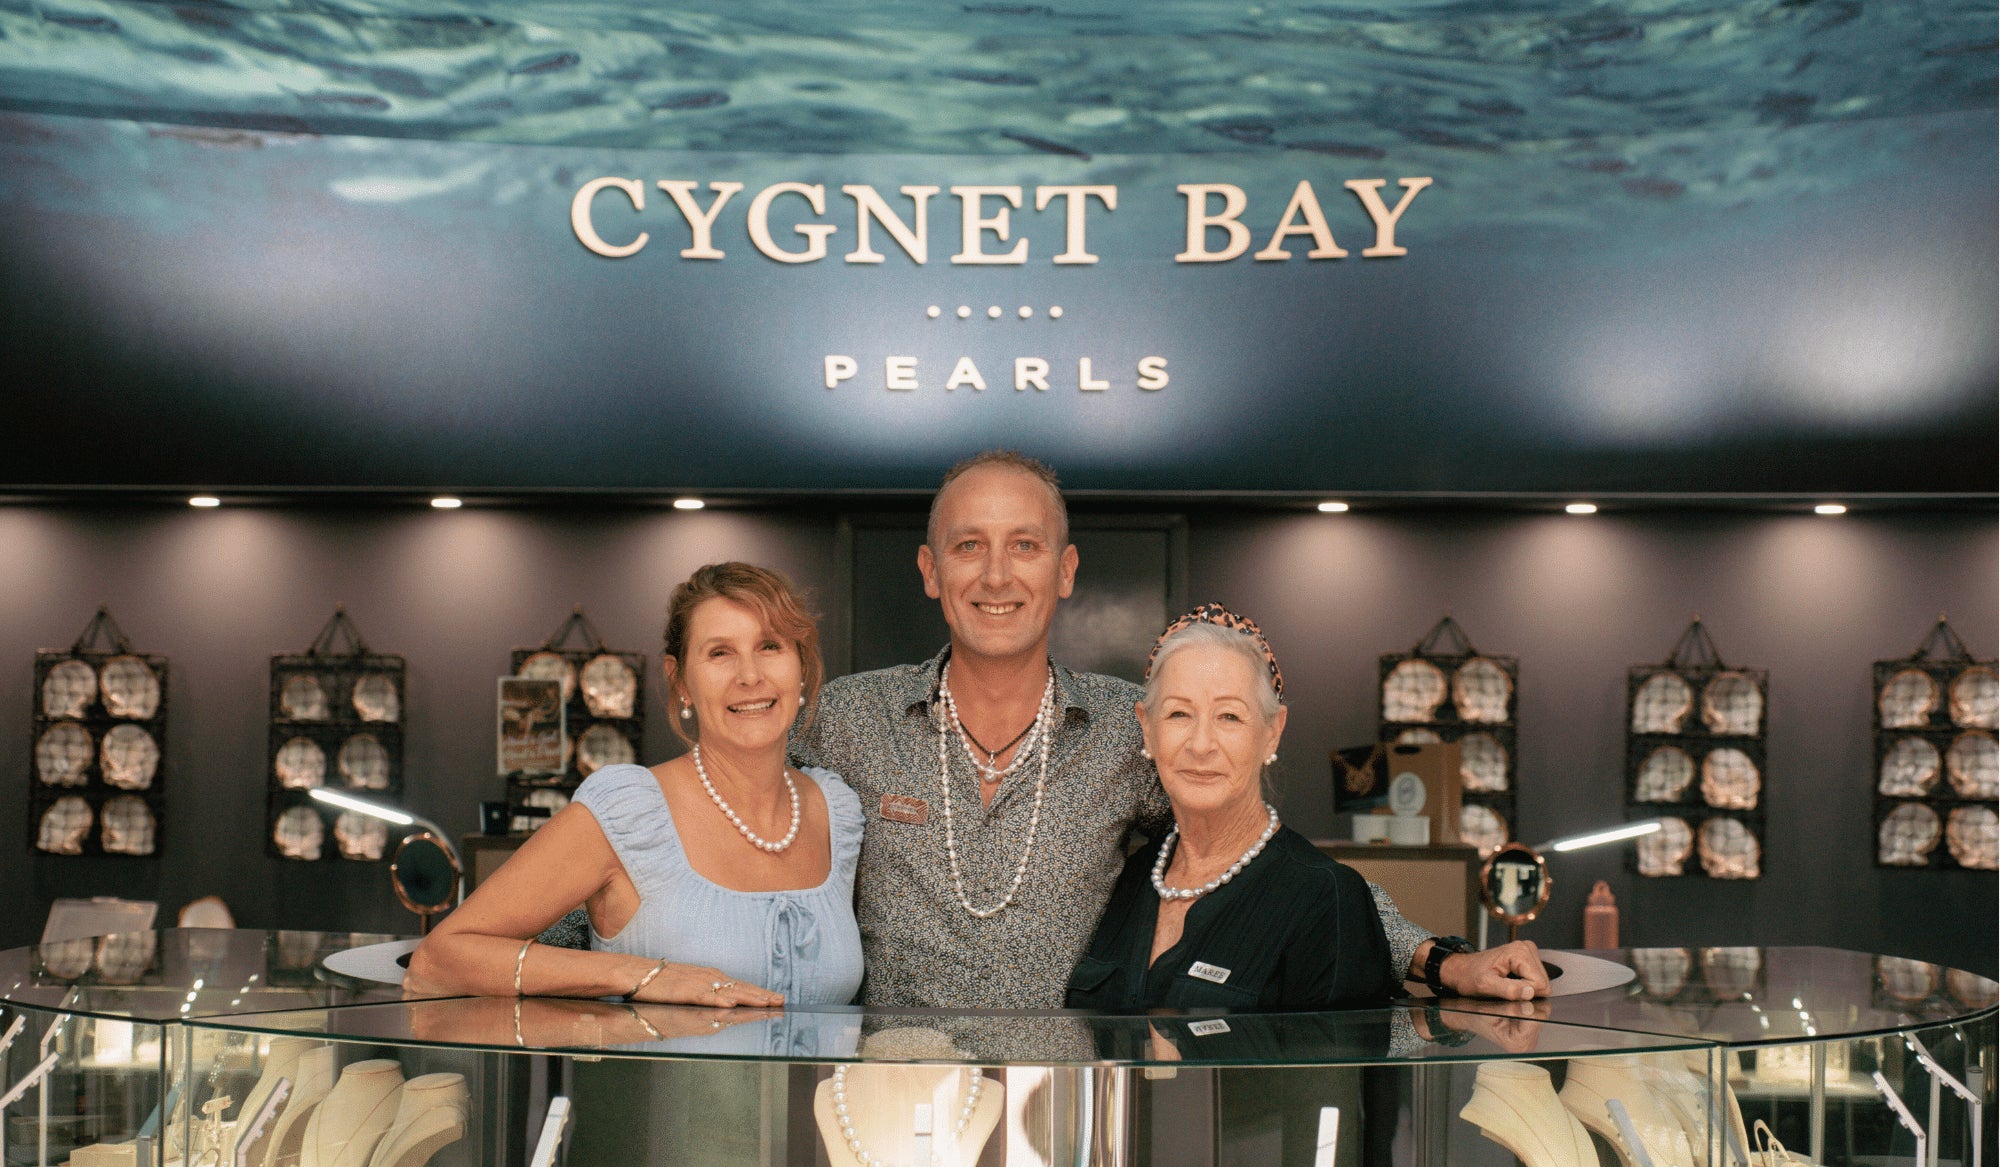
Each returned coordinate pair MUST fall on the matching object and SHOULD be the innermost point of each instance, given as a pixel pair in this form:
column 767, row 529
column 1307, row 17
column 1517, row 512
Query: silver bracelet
column 648, row 978
column 518, row 962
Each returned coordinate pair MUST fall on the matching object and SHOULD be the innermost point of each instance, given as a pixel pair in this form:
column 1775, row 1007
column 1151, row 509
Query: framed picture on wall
column 1132, row 580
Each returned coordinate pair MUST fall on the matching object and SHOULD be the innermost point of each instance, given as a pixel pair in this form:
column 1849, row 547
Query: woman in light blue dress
column 721, row 878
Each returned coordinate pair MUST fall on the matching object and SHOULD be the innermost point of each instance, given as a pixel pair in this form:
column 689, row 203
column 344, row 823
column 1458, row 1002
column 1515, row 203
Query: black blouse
column 1294, row 930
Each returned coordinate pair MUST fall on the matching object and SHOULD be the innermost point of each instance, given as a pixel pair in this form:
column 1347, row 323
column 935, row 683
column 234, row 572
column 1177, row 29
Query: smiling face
column 997, row 568
column 1206, row 730
column 743, row 679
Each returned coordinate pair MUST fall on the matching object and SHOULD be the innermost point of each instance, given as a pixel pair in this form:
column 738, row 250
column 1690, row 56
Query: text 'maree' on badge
column 898, row 808
column 1203, row 971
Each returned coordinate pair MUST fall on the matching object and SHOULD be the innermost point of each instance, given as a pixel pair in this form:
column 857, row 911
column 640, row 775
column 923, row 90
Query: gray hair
column 1240, row 643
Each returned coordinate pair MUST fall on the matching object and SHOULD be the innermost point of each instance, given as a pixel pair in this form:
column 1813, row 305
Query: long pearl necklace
column 755, row 841
column 1044, row 720
column 866, row 1158
column 1195, row 893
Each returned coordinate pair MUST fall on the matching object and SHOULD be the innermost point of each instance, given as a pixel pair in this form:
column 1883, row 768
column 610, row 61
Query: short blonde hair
column 777, row 604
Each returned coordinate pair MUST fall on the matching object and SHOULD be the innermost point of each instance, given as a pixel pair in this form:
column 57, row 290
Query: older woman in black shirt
column 1230, row 909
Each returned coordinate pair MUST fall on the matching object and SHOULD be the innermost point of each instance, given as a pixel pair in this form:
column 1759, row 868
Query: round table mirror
column 1514, row 884
column 425, row 875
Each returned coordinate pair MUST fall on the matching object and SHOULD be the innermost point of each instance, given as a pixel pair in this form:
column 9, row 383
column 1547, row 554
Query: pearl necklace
column 1044, row 720
column 760, row 844
column 867, row 1159
column 1195, row 893
column 988, row 772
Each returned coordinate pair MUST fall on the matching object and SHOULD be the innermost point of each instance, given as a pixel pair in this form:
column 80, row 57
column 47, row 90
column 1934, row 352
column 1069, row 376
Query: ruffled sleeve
column 844, row 821
column 630, row 810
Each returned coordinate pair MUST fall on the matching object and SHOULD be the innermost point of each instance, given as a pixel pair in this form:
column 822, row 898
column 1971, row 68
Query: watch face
column 1407, row 794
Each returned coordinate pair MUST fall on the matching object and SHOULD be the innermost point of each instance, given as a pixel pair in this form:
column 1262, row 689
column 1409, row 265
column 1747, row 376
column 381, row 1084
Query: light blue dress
column 803, row 943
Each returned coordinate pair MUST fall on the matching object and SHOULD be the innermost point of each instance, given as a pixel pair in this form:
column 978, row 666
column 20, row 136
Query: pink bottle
column 1600, row 918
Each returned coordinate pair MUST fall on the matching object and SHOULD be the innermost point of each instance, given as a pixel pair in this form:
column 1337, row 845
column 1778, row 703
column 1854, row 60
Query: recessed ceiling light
column 1830, row 508
column 1332, row 508
column 1582, row 508
column 204, row 500
column 688, row 504
column 445, row 502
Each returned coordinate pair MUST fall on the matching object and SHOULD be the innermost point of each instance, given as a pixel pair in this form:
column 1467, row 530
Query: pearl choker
column 866, row 1158
column 755, row 841
column 1195, row 893
column 1044, row 730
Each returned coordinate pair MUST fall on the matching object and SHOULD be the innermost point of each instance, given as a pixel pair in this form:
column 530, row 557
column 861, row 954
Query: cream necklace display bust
column 882, row 1101
column 1515, row 1105
column 346, row 1126
column 430, row 1115
column 1592, row 1083
column 281, row 1061
column 312, row 1081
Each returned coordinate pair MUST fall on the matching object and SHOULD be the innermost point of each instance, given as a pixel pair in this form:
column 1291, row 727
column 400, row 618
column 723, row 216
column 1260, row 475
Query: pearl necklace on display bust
column 1195, row 893
column 760, row 843
column 867, row 1158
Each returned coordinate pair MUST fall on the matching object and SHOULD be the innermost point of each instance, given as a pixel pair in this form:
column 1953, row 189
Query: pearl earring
column 802, row 701
column 1272, row 760
column 687, row 712
column 1145, row 753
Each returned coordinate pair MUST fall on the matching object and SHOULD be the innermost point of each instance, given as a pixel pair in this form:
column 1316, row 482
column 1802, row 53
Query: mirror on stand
column 426, row 876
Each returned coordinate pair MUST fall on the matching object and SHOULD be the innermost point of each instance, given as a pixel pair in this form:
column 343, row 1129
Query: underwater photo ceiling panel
column 1452, row 247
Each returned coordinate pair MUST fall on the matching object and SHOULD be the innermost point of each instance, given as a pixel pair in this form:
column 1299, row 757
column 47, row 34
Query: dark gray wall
column 219, row 592
column 1813, row 600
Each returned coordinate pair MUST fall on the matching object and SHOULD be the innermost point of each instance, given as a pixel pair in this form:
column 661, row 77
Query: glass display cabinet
column 228, row 1048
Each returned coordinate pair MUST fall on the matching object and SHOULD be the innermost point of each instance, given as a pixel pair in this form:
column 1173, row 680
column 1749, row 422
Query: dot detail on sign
column 964, row 312
column 933, row 311
column 993, row 313
column 1026, row 311
column 1055, row 312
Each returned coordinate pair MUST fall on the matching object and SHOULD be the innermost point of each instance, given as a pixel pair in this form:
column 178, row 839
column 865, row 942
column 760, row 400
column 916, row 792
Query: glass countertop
column 852, row 1034
column 1769, row 996
column 175, row 974
column 1680, row 999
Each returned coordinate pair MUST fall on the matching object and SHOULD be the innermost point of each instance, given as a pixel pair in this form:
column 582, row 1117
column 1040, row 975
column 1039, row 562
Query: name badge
column 898, row 808
column 1208, row 1028
column 1201, row 970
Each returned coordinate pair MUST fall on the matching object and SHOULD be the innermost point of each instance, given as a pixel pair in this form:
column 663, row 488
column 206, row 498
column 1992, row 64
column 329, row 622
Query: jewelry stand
column 313, row 1081
column 1515, row 1105
column 344, row 1129
column 883, row 1100
column 1593, row 1083
column 429, row 1117
column 280, row 1062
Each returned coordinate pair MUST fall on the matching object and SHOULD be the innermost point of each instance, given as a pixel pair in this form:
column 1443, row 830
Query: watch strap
column 1441, row 947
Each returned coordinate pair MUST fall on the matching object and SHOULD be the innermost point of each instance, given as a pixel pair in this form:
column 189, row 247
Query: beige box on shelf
column 1436, row 765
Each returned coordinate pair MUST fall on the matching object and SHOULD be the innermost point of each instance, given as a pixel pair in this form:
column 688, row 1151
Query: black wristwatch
column 1442, row 947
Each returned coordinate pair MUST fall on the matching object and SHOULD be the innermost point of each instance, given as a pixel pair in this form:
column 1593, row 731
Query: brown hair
column 777, row 604
column 1011, row 460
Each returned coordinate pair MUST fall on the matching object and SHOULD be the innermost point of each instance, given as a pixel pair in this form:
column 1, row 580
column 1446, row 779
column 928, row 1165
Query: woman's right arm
column 477, row 948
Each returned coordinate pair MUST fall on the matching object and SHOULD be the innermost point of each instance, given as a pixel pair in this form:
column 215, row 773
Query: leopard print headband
column 1222, row 617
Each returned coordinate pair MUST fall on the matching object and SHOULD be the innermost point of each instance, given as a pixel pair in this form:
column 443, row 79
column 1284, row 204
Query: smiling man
column 1001, row 788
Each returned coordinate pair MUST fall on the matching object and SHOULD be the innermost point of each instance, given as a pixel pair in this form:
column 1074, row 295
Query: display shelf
column 1782, row 1037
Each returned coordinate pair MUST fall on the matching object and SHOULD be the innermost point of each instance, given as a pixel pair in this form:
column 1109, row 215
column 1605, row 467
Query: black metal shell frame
column 1943, row 657
column 100, row 641
column 337, row 660
column 577, row 641
column 1696, row 661
column 1447, row 646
